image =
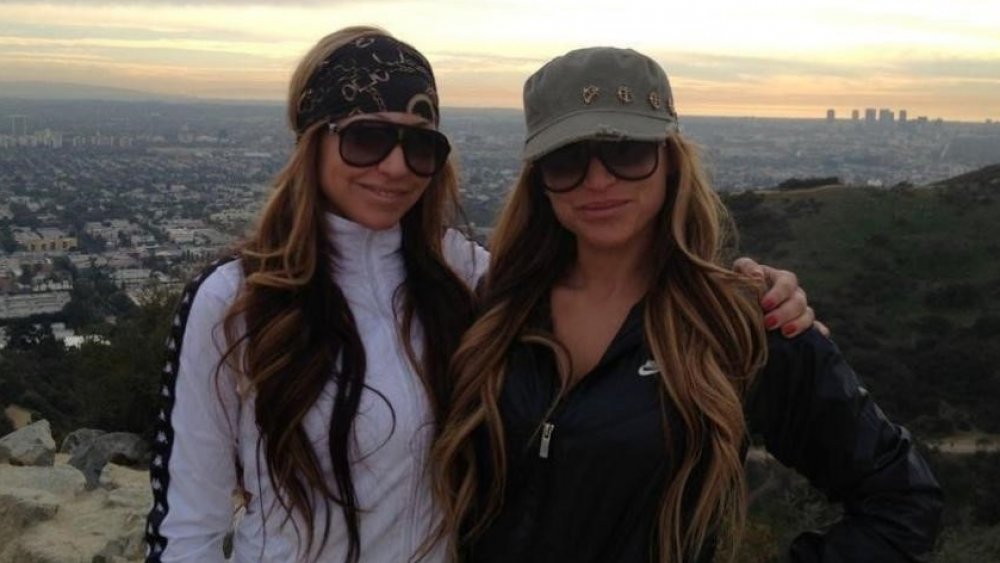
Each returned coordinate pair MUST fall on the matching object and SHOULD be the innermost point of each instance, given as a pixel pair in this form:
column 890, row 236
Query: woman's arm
column 193, row 472
column 816, row 417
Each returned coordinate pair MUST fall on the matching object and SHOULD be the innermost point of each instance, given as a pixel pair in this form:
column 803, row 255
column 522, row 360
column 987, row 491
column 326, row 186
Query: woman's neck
column 610, row 273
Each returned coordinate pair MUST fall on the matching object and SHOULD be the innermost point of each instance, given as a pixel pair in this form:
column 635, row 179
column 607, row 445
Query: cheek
column 656, row 194
column 560, row 208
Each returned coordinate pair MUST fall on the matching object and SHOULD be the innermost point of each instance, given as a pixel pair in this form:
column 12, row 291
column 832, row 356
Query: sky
column 764, row 58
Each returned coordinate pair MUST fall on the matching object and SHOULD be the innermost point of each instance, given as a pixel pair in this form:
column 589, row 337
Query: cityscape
column 146, row 192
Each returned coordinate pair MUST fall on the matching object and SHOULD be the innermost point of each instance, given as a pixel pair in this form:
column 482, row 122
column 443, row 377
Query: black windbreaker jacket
column 584, row 484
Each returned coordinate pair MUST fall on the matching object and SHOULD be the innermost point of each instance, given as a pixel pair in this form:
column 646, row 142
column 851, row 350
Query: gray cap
column 600, row 92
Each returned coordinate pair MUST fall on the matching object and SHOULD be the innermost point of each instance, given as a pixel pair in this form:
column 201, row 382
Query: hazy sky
column 765, row 57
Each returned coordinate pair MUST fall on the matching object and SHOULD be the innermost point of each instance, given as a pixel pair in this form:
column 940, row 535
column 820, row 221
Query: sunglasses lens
column 629, row 160
column 564, row 168
column 365, row 143
column 425, row 150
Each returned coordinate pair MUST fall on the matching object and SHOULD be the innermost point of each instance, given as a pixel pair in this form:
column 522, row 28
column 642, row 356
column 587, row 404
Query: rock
column 125, row 448
column 31, row 495
column 23, row 508
column 79, row 438
column 117, row 447
column 31, row 445
column 90, row 459
column 47, row 516
column 60, row 479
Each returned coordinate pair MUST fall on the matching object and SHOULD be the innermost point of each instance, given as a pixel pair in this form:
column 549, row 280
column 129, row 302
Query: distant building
column 855, row 115
column 112, row 231
column 181, row 235
column 25, row 305
column 831, row 115
column 132, row 278
column 870, row 115
column 902, row 116
column 45, row 240
column 885, row 116
column 18, row 125
column 48, row 138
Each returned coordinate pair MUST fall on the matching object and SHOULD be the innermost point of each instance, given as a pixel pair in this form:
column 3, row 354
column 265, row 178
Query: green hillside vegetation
column 908, row 279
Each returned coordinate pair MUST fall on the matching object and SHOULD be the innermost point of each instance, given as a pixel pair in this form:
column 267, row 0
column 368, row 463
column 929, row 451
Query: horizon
column 159, row 98
column 774, row 59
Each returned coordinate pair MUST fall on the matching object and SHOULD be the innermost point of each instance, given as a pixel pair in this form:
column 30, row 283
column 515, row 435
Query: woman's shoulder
column 465, row 256
column 219, row 282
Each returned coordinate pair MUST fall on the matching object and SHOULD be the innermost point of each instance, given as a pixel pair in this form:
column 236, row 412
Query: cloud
column 169, row 3
column 976, row 69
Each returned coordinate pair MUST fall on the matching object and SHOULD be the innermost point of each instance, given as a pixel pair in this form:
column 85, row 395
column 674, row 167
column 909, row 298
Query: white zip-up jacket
column 206, row 426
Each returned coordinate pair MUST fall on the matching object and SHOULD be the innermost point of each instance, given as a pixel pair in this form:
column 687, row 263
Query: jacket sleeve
column 466, row 257
column 193, row 472
column 816, row 418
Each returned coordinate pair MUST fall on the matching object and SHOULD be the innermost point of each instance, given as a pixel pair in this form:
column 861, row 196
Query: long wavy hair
column 290, row 322
column 702, row 322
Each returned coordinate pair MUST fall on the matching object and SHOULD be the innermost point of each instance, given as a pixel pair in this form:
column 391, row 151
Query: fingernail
column 768, row 304
column 788, row 330
column 770, row 321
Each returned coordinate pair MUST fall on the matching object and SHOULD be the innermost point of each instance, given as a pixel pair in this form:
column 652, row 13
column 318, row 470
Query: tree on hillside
column 23, row 334
column 7, row 242
column 120, row 381
column 94, row 297
column 804, row 183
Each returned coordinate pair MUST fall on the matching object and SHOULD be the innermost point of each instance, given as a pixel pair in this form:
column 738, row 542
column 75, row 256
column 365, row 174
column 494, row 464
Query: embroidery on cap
column 625, row 94
column 589, row 93
column 654, row 99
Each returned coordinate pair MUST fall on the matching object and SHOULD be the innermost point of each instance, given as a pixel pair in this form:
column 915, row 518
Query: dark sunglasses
column 565, row 168
column 368, row 142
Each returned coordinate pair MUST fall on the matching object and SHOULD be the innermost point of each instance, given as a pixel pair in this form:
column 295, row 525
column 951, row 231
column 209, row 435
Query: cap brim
column 596, row 124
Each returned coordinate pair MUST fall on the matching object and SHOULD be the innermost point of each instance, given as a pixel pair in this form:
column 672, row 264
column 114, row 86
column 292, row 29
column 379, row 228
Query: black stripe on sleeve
column 163, row 440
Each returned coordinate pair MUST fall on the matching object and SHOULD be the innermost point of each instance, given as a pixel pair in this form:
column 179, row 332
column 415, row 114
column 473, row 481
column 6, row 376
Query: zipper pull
column 543, row 450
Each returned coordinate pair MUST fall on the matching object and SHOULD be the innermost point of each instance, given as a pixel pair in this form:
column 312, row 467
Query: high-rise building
column 18, row 125
column 855, row 115
column 869, row 115
column 885, row 116
column 902, row 116
column 831, row 115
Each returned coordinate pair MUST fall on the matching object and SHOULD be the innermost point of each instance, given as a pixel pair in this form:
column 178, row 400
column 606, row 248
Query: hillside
column 38, row 90
column 909, row 281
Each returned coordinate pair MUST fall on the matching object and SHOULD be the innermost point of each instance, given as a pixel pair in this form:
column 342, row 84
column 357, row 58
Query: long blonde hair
column 290, row 323
column 704, row 328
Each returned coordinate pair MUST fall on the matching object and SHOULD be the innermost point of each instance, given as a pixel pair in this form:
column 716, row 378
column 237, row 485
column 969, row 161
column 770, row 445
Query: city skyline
column 768, row 59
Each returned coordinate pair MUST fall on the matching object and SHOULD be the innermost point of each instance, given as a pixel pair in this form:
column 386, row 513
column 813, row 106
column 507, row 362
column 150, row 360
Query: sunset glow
column 769, row 58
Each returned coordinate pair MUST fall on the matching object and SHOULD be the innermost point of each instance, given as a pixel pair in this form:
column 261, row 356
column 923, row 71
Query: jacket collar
column 359, row 248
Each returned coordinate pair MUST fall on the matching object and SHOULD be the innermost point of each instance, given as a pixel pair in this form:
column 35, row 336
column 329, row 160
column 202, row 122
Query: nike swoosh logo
column 648, row 368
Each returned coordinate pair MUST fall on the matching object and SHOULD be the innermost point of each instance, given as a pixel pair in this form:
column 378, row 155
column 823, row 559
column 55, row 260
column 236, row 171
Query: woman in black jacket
column 605, row 396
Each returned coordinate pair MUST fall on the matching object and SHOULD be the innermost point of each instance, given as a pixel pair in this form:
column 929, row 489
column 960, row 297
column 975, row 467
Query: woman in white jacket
column 307, row 375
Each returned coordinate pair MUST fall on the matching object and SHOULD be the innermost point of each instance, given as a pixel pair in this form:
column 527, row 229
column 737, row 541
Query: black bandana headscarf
column 370, row 74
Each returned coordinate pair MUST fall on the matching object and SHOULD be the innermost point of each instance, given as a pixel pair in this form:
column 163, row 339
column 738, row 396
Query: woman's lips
column 386, row 194
column 602, row 208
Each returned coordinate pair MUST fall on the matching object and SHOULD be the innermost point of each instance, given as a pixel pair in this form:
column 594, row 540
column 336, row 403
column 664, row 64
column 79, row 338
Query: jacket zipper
column 543, row 449
column 385, row 308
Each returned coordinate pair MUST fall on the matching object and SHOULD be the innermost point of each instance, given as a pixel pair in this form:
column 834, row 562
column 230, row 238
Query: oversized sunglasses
column 368, row 142
column 565, row 168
